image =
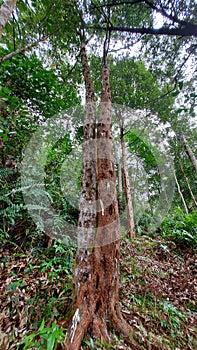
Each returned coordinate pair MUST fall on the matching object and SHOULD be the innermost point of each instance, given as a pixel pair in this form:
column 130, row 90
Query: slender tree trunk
column 190, row 154
column 96, row 277
column 148, row 196
column 5, row 13
column 120, row 185
column 130, row 216
column 180, row 193
column 188, row 185
column 191, row 192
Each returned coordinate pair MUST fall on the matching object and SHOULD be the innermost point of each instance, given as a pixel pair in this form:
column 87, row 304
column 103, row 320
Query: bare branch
column 164, row 13
column 151, row 5
column 187, row 30
column 125, row 47
column 113, row 4
column 21, row 50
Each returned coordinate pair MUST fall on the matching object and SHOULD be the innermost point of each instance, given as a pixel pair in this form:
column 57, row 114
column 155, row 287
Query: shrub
column 181, row 228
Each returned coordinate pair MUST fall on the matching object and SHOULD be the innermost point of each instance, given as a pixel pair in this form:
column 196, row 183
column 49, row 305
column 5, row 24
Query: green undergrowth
column 181, row 228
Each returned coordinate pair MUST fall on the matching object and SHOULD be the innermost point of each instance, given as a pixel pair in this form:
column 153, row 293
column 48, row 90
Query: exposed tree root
column 96, row 326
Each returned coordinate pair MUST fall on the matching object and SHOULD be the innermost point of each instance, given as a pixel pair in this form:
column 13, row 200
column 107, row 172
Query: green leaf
column 50, row 342
column 42, row 325
column 175, row 93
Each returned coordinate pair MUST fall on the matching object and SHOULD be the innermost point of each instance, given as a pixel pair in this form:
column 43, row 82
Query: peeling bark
column 5, row 13
column 96, row 276
column 130, row 215
column 84, row 301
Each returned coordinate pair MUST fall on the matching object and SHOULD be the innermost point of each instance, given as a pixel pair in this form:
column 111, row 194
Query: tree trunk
column 188, row 185
column 5, row 12
column 130, row 216
column 120, row 188
column 96, row 276
column 180, row 193
column 120, row 185
column 191, row 193
column 190, row 154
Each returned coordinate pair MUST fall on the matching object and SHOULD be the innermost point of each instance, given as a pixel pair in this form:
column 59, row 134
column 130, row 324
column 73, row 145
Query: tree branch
column 21, row 50
column 187, row 30
column 113, row 4
column 151, row 5
column 165, row 14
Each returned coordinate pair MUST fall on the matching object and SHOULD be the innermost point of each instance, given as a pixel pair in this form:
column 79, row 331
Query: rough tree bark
column 190, row 154
column 96, row 276
column 130, row 215
column 5, row 12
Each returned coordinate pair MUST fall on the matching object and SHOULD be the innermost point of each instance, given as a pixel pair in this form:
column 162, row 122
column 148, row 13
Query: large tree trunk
column 5, row 12
column 190, row 154
column 130, row 215
column 96, row 276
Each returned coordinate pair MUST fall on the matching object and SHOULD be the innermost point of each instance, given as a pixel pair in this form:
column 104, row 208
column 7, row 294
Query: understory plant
column 181, row 228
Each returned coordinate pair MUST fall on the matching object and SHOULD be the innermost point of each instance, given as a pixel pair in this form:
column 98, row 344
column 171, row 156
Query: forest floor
column 158, row 296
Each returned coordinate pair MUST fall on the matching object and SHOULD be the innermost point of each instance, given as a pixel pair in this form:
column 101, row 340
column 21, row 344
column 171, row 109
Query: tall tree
column 130, row 213
column 97, row 274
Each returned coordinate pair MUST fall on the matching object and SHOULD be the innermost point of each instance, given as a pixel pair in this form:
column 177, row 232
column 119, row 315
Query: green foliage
column 142, row 226
column 44, row 338
column 58, row 260
column 13, row 212
column 132, row 84
column 28, row 96
column 39, row 88
column 181, row 228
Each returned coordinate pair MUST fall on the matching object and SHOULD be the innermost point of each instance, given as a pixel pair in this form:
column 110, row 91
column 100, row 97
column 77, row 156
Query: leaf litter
column 158, row 295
